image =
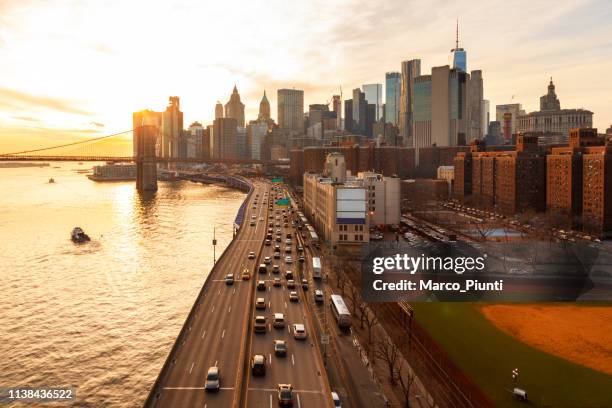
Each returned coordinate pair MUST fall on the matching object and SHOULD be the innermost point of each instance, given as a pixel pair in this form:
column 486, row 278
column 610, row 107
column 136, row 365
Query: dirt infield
column 580, row 334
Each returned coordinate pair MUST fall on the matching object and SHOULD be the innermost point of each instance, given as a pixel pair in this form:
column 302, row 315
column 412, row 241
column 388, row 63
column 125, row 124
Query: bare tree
column 389, row 353
column 405, row 379
column 354, row 298
column 369, row 318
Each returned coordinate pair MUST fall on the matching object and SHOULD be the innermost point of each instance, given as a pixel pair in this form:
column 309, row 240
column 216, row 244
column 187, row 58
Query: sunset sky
column 81, row 67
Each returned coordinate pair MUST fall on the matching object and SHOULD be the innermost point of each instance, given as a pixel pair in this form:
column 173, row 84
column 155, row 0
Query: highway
column 303, row 365
column 220, row 332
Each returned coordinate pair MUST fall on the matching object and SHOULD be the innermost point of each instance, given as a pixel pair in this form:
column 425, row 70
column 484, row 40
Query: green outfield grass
column 488, row 355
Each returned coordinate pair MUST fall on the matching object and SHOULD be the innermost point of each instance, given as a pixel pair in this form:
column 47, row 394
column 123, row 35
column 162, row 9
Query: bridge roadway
column 221, row 326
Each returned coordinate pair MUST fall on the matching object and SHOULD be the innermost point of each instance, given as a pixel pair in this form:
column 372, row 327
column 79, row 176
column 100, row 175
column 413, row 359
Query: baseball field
column 563, row 351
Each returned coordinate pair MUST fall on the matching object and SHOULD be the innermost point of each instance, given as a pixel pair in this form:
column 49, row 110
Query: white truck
column 316, row 268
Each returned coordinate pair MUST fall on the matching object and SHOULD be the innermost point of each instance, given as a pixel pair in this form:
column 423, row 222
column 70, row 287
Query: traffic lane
column 187, row 373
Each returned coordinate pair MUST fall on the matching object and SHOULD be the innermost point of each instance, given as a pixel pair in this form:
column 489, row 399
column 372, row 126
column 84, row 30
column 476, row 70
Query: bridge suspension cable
column 67, row 144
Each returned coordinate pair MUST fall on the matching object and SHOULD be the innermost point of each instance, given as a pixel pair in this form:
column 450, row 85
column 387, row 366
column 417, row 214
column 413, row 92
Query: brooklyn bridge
column 115, row 147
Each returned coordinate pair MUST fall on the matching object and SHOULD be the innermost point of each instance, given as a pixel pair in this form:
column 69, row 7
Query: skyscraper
column 234, row 108
column 218, row 110
column 359, row 112
column 348, row 115
column 410, row 70
column 264, row 109
column 224, row 139
column 459, row 54
column 393, row 87
column 172, row 128
column 337, row 108
column 449, row 106
column 515, row 109
column 475, row 106
column 373, row 95
column 290, row 109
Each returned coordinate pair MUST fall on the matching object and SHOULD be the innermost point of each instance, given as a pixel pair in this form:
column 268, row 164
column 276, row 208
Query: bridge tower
column 145, row 139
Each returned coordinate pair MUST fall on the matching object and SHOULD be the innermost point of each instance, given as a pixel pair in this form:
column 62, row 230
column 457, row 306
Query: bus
column 314, row 238
column 316, row 268
column 340, row 311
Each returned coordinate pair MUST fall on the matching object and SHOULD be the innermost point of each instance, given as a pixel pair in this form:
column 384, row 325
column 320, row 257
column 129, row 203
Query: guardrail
column 180, row 340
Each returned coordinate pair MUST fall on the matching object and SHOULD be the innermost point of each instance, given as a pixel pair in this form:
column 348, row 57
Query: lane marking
column 203, row 333
column 216, row 362
column 298, row 398
column 270, row 400
column 191, row 369
column 229, row 309
column 270, row 358
column 223, row 334
column 292, row 359
column 213, row 309
column 296, row 391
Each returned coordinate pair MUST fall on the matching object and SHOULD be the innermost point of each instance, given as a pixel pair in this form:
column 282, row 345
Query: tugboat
column 79, row 236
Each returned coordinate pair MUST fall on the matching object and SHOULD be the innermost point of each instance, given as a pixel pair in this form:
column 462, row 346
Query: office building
column 224, row 139
column 337, row 109
column 393, row 81
column 218, row 110
column 459, row 54
column 509, row 123
column 264, row 109
column 194, row 141
column 373, row 95
column 172, row 128
column 553, row 120
column 422, row 109
column 256, row 133
column 486, row 118
column 234, row 108
column 449, row 107
column 360, row 109
column 410, row 70
column 291, row 109
column 242, row 147
column 348, row 115
column 475, row 107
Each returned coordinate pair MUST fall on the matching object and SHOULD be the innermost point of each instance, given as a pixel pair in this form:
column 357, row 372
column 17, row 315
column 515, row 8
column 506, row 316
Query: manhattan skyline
column 78, row 68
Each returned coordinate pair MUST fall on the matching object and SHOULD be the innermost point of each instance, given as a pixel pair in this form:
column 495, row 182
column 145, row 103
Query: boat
column 51, row 180
column 78, row 235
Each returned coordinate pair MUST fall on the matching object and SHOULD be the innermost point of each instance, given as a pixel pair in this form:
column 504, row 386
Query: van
column 279, row 320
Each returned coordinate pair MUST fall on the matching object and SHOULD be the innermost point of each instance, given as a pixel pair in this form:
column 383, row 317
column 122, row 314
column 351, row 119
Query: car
column 246, row 274
column 261, row 219
column 336, row 399
column 299, row 331
column 285, row 395
column 304, row 284
column 252, row 223
column 287, row 249
column 279, row 320
column 267, row 260
column 277, row 247
column 300, row 249
column 318, row 296
column 213, row 379
column 262, row 268
column 258, row 365
column 260, row 303
column 278, row 239
column 261, row 324
column 288, row 241
column 251, row 255
column 277, row 282
column 285, row 225
column 288, row 260
column 293, row 296
column 268, row 242
column 261, row 285
column 277, row 255
column 280, row 348
column 275, row 269
column 229, row 279
column 288, row 275
column 291, row 284
column 301, row 259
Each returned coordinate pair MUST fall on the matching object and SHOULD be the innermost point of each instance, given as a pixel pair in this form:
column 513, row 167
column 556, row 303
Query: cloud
column 10, row 98
column 97, row 124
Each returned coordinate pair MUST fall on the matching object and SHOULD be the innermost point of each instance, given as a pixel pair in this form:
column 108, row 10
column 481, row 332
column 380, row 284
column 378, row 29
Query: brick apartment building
column 597, row 190
column 505, row 181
